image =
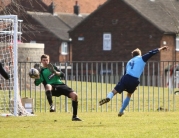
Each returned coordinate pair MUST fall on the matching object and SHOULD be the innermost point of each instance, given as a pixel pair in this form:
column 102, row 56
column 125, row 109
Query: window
column 106, row 41
column 64, row 48
column 177, row 43
column 32, row 41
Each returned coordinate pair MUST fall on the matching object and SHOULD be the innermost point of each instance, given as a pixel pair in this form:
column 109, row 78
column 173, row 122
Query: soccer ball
column 33, row 73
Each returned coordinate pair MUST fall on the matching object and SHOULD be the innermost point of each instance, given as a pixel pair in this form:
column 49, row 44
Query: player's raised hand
column 51, row 68
column 163, row 48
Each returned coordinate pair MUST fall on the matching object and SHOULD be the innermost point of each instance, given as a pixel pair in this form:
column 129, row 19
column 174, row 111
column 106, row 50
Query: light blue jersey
column 135, row 66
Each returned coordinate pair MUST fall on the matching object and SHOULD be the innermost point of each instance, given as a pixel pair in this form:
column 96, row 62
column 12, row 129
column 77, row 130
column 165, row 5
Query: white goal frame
column 14, row 18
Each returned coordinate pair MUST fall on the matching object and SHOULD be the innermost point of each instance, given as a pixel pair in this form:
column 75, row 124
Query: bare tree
column 21, row 8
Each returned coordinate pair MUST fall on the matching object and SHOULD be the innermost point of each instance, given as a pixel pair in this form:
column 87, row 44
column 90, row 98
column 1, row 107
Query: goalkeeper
column 50, row 77
column 3, row 72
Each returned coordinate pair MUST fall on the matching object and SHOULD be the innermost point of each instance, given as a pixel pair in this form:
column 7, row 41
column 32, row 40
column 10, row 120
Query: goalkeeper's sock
column 110, row 95
column 75, row 108
column 49, row 97
column 125, row 104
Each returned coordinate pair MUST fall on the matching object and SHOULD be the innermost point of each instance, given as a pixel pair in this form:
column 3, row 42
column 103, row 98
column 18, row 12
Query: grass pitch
column 95, row 125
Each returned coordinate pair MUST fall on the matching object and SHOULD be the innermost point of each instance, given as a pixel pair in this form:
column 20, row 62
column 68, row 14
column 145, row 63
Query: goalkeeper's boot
column 103, row 101
column 120, row 114
column 51, row 68
column 76, row 119
column 52, row 108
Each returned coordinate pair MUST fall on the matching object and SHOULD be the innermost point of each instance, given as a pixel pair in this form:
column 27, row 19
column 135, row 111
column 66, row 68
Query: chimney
column 52, row 8
column 76, row 8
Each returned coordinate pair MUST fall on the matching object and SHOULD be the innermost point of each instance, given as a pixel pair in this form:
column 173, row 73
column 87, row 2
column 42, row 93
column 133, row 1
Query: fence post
column 66, row 99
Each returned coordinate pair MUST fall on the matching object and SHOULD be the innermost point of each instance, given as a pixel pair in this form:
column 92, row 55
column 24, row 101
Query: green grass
column 141, row 119
column 95, row 125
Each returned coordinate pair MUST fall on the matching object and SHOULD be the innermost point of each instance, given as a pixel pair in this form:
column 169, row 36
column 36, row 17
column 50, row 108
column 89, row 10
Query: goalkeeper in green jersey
column 50, row 77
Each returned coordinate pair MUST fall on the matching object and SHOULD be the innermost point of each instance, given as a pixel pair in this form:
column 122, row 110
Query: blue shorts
column 127, row 83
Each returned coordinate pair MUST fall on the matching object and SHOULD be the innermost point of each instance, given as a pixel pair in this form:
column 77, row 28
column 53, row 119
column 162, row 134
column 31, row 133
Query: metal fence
column 93, row 80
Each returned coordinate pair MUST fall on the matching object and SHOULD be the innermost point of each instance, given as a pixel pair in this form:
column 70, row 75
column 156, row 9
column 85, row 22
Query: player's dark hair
column 45, row 56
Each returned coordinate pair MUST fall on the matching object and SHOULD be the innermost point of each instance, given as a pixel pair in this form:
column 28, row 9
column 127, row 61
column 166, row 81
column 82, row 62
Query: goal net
column 10, row 101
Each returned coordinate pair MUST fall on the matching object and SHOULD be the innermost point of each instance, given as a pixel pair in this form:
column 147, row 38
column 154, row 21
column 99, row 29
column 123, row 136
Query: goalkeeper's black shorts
column 61, row 89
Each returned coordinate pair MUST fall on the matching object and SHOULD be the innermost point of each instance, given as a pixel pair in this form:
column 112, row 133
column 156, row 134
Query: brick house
column 117, row 27
column 112, row 31
column 49, row 22
column 52, row 30
column 130, row 23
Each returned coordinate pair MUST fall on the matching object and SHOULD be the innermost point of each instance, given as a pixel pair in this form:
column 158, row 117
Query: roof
column 71, row 19
column 164, row 14
column 58, row 24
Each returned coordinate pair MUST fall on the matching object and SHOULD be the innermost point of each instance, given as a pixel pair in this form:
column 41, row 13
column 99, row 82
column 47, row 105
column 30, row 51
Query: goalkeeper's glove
column 58, row 73
column 38, row 67
column 62, row 75
column 51, row 68
column 36, row 77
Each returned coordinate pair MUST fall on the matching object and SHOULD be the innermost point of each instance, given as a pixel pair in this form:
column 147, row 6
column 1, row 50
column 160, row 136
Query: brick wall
column 29, row 52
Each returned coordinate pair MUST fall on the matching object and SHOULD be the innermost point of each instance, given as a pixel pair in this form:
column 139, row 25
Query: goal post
column 8, row 57
column 10, row 101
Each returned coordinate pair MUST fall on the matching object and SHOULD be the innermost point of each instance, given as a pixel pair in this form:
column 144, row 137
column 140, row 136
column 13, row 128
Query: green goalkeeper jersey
column 47, row 77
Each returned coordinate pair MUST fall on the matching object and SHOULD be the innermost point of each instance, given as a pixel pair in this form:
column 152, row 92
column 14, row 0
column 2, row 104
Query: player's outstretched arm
column 148, row 55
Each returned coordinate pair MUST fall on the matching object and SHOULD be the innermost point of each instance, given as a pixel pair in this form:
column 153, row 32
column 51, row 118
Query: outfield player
column 3, row 72
column 130, row 80
column 50, row 77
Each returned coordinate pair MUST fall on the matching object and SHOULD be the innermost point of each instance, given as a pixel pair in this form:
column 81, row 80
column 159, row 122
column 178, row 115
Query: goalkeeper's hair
column 136, row 52
column 45, row 56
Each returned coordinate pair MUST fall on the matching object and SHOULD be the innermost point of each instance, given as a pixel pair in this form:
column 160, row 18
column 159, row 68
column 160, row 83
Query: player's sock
column 125, row 104
column 110, row 95
column 75, row 108
column 49, row 97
